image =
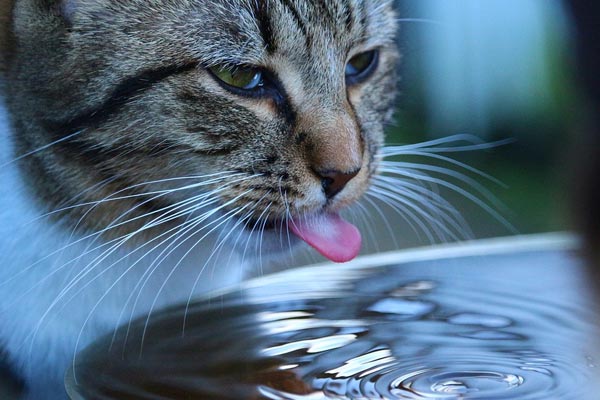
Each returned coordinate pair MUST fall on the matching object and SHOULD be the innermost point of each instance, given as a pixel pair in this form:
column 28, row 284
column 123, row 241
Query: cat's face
column 278, row 104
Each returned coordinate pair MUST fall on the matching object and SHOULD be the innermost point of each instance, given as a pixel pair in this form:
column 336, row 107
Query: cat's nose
column 334, row 181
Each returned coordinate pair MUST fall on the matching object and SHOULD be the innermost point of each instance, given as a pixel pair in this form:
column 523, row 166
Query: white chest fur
column 59, row 291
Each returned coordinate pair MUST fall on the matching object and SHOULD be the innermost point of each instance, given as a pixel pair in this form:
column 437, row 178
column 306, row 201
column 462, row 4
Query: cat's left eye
column 244, row 78
column 361, row 66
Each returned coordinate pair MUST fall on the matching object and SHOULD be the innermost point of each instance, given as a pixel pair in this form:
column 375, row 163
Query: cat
column 160, row 149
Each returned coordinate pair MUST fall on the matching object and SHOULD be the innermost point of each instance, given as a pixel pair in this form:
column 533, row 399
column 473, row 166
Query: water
column 507, row 321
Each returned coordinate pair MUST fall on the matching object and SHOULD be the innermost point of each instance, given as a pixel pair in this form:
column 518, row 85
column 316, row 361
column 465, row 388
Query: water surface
column 507, row 320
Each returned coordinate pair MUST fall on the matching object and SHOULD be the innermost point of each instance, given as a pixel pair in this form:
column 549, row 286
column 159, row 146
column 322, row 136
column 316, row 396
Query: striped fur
column 121, row 91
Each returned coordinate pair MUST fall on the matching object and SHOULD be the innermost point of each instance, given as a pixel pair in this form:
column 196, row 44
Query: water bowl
column 496, row 319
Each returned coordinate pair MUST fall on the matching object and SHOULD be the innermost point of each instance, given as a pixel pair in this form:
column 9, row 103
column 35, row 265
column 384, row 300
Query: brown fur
column 184, row 123
column 118, row 119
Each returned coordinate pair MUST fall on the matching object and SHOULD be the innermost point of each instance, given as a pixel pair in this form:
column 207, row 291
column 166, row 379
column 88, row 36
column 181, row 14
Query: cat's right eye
column 244, row 78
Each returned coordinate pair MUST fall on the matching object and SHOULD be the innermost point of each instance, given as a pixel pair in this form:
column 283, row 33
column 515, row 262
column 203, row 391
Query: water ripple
column 496, row 327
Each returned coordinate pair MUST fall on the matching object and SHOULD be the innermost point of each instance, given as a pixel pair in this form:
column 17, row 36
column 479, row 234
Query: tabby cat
column 157, row 149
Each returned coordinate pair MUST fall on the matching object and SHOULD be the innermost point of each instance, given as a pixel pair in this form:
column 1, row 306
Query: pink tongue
column 330, row 235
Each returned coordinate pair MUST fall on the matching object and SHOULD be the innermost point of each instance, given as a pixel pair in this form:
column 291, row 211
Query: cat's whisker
column 198, row 219
column 286, row 217
column 172, row 246
column 111, row 244
column 461, row 137
column 183, row 228
column 173, row 211
column 225, row 218
column 368, row 224
column 41, row 148
column 265, row 214
column 437, row 213
column 439, row 229
column 260, row 242
column 72, row 234
column 239, row 266
column 395, row 167
column 382, row 218
column 113, row 197
column 449, row 160
column 122, row 275
column 466, row 148
column 204, row 267
column 408, row 169
column 423, row 195
column 73, row 243
column 404, row 168
column 411, row 173
column 247, row 217
column 248, row 239
column 166, row 214
column 86, row 270
column 400, row 209
column 421, row 20
column 404, row 186
column 257, row 221
column 112, row 225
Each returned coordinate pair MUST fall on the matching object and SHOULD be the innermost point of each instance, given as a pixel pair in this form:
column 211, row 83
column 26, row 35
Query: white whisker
column 383, row 218
column 120, row 277
column 42, row 148
column 435, row 224
column 84, row 238
column 368, row 224
column 457, row 189
column 225, row 218
column 449, row 160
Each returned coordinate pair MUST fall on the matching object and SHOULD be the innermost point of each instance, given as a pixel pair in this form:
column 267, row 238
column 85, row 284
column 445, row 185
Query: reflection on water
column 490, row 324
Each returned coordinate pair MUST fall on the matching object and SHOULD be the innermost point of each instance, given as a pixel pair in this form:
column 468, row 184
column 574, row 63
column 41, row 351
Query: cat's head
column 275, row 107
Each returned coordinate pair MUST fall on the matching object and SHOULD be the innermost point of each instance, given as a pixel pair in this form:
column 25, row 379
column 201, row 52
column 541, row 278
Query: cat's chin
column 266, row 243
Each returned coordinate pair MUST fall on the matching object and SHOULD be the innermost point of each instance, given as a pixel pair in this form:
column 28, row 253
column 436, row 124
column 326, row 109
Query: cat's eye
column 244, row 78
column 361, row 66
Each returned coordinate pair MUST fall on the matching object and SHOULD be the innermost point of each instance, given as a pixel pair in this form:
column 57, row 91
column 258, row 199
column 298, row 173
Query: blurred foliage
column 535, row 168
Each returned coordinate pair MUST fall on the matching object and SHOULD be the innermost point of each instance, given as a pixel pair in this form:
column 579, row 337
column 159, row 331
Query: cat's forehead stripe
column 263, row 17
column 297, row 17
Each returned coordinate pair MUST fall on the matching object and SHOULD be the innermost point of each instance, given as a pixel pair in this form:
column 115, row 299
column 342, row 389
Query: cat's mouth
column 333, row 237
column 329, row 234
